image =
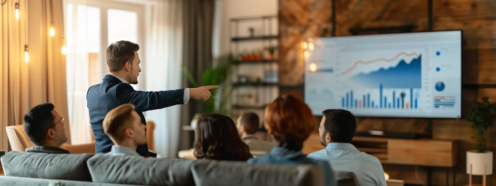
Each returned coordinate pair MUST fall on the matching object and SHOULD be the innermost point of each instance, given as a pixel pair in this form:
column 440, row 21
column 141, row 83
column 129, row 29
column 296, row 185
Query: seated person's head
column 216, row 138
column 44, row 126
column 123, row 125
column 290, row 121
column 337, row 126
column 248, row 123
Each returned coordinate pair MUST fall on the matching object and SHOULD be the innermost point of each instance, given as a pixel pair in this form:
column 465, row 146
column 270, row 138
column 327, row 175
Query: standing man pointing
column 123, row 62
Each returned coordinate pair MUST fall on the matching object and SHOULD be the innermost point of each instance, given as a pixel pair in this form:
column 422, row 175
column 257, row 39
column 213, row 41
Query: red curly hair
column 289, row 120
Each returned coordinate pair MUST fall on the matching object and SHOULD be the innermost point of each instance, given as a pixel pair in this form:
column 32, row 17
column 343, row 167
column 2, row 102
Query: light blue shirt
column 123, row 151
column 186, row 90
column 346, row 157
column 280, row 155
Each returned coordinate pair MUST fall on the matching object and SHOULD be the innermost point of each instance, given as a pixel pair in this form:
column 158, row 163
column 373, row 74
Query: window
column 90, row 26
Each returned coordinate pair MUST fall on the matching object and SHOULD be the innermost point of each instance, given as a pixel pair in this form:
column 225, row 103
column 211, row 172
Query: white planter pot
column 478, row 161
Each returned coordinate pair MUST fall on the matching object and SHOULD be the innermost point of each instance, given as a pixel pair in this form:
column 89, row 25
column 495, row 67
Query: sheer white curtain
column 163, row 71
column 83, row 53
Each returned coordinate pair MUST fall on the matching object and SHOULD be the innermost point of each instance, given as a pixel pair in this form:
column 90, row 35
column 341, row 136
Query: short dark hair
column 251, row 122
column 341, row 124
column 216, row 138
column 119, row 53
column 37, row 121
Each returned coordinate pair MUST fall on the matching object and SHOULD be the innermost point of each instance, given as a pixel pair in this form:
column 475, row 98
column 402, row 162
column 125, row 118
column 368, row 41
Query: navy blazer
column 112, row 92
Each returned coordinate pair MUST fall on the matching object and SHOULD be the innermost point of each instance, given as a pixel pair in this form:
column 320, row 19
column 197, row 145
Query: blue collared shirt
column 280, row 155
column 346, row 157
column 123, row 151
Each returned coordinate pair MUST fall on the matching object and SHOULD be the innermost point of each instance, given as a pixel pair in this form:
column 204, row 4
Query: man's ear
column 50, row 134
column 328, row 138
column 242, row 129
column 128, row 66
column 128, row 133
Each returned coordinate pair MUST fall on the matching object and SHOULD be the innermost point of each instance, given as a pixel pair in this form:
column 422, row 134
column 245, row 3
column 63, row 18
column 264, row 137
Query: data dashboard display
column 389, row 75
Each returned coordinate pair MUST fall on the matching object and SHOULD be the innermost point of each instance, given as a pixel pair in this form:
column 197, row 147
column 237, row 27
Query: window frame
column 104, row 6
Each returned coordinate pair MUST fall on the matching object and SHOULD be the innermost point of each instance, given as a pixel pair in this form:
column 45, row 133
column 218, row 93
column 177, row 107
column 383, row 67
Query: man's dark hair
column 37, row 121
column 251, row 122
column 119, row 53
column 341, row 124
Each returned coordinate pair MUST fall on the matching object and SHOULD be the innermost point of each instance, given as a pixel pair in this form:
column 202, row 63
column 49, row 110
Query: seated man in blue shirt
column 336, row 131
column 123, row 125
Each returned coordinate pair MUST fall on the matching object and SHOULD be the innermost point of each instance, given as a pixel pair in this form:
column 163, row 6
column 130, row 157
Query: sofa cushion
column 47, row 166
column 105, row 168
column 23, row 181
column 219, row 173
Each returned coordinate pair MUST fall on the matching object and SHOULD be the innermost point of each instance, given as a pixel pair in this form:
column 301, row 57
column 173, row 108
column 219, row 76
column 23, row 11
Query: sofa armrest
column 80, row 149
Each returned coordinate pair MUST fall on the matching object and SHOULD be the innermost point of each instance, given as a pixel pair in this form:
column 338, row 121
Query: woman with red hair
column 290, row 121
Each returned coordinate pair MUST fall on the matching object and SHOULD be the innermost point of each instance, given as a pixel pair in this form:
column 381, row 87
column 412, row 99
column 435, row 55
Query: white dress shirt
column 186, row 90
column 346, row 157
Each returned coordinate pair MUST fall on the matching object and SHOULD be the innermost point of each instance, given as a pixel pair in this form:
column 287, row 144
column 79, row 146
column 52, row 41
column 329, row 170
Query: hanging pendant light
column 17, row 10
column 26, row 54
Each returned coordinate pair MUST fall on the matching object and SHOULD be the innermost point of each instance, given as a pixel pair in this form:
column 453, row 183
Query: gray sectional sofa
column 86, row 169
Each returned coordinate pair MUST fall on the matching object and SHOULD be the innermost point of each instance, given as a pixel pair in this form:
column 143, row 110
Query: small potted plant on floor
column 482, row 116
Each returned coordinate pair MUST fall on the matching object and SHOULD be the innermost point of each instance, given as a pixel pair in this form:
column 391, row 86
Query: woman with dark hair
column 290, row 121
column 216, row 138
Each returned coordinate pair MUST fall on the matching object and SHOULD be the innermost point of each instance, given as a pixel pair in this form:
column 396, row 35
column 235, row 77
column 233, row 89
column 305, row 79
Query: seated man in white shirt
column 336, row 131
column 248, row 124
column 123, row 125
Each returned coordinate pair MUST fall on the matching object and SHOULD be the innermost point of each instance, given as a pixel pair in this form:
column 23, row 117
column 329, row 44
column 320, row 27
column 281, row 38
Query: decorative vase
column 479, row 161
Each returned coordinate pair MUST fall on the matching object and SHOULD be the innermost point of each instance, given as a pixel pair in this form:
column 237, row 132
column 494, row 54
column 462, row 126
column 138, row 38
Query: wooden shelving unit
column 254, row 62
column 250, row 84
column 253, row 38
column 240, row 43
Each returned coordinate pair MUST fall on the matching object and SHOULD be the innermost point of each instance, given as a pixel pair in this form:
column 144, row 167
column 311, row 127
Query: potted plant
column 252, row 31
column 271, row 52
column 482, row 116
column 217, row 74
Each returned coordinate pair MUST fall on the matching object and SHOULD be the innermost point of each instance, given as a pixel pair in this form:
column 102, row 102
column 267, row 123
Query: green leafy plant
column 482, row 116
column 216, row 74
column 271, row 49
column 252, row 31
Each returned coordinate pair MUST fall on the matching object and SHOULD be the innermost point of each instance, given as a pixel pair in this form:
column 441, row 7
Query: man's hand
column 201, row 92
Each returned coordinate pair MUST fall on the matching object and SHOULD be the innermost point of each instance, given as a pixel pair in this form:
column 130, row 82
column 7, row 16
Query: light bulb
column 310, row 46
column 52, row 31
column 306, row 54
column 313, row 67
column 304, row 45
column 17, row 10
column 64, row 50
column 26, row 55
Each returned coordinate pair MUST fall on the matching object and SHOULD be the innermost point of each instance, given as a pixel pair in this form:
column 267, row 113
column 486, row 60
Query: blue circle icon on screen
column 438, row 69
column 438, row 53
column 439, row 86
